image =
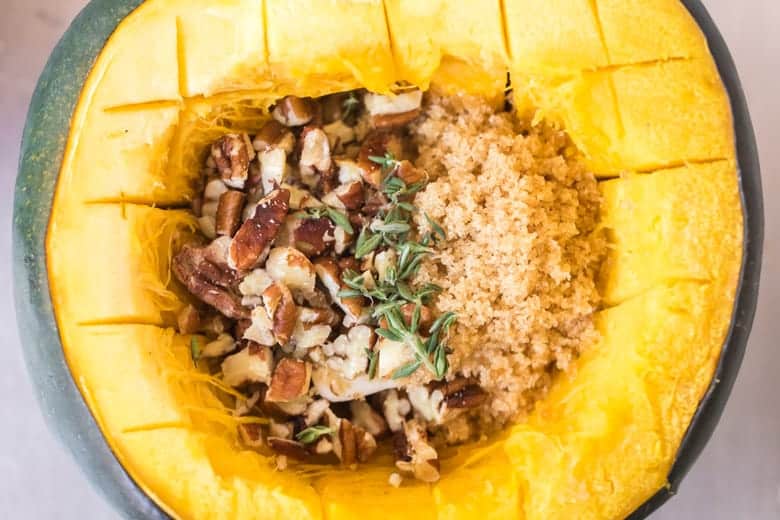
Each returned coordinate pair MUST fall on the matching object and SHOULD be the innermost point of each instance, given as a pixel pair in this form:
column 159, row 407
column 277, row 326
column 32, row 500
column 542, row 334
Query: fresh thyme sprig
column 338, row 218
column 195, row 349
column 392, row 229
column 312, row 433
column 387, row 161
column 431, row 353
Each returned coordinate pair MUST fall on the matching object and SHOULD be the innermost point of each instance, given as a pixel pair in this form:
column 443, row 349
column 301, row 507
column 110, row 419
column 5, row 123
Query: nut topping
column 232, row 154
column 291, row 267
column 294, row 111
column 207, row 281
column 288, row 448
column 188, row 320
column 254, row 237
column 250, row 365
column 315, row 155
column 274, row 135
column 377, row 144
column 280, row 306
column 290, row 380
column 231, row 204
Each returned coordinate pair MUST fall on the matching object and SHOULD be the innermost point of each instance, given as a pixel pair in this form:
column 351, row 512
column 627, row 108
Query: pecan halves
column 231, row 204
column 253, row 239
column 207, row 282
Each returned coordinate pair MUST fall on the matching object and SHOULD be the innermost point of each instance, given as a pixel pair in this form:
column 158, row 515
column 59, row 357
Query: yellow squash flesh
column 646, row 107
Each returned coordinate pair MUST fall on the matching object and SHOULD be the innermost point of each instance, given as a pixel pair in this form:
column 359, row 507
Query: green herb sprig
column 392, row 229
column 312, row 433
column 195, row 349
column 337, row 217
column 431, row 353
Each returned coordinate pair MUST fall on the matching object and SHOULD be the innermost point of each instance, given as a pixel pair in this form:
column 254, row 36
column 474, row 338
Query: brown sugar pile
column 519, row 265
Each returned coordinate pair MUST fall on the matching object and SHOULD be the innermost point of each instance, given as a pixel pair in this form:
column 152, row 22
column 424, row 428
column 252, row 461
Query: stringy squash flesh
column 643, row 103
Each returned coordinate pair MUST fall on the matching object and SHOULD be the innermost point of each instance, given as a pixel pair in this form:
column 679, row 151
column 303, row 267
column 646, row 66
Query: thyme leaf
column 312, row 433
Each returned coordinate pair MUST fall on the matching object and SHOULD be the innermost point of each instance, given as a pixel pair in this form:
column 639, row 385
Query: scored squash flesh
column 647, row 109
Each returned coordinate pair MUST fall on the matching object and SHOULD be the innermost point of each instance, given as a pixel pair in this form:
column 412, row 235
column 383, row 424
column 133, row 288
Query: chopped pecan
column 241, row 327
column 418, row 458
column 294, row 111
column 273, row 134
column 207, row 281
column 188, row 320
column 347, row 442
column 291, row 380
column 215, row 323
column 365, row 444
column 330, row 275
column 346, row 196
column 273, row 169
column 250, row 365
column 409, row 173
column 377, row 144
column 349, row 262
column 291, row 267
column 375, row 203
column 232, row 154
column 280, row 306
column 254, row 237
column 315, row 158
column 313, row 236
column 364, row 416
column 288, row 448
column 401, row 103
column 231, row 204
column 462, row 393
column 394, row 120
column 322, row 446
column 224, row 344
column 251, row 434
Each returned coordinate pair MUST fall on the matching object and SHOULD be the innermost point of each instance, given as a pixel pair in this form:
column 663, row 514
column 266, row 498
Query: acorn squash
column 634, row 85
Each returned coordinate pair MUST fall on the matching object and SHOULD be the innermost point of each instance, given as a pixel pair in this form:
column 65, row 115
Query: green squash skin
column 43, row 145
column 42, row 150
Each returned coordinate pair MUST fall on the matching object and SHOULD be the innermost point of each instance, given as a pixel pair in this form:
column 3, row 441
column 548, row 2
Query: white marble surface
column 738, row 475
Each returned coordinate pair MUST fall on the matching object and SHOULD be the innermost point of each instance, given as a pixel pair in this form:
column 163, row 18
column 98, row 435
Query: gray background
column 738, row 475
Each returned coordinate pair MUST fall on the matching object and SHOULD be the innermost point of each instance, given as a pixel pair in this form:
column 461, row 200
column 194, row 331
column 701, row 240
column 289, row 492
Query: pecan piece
column 291, row 267
column 250, row 365
column 288, row 448
column 365, row 444
column 290, row 381
column 294, row 111
column 231, row 204
column 315, row 158
column 418, row 457
column 281, row 309
column 346, row 196
column 365, row 417
column 207, row 281
column 232, row 154
column 188, row 320
column 394, row 120
column 313, row 236
column 251, row 434
column 273, row 134
column 347, row 443
column 377, row 144
column 329, row 274
column 409, row 173
column 254, row 237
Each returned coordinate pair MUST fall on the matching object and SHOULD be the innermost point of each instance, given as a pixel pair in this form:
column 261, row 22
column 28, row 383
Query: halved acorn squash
column 634, row 85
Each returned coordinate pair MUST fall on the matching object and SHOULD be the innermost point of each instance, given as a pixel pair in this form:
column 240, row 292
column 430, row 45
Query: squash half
column 644, row 103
